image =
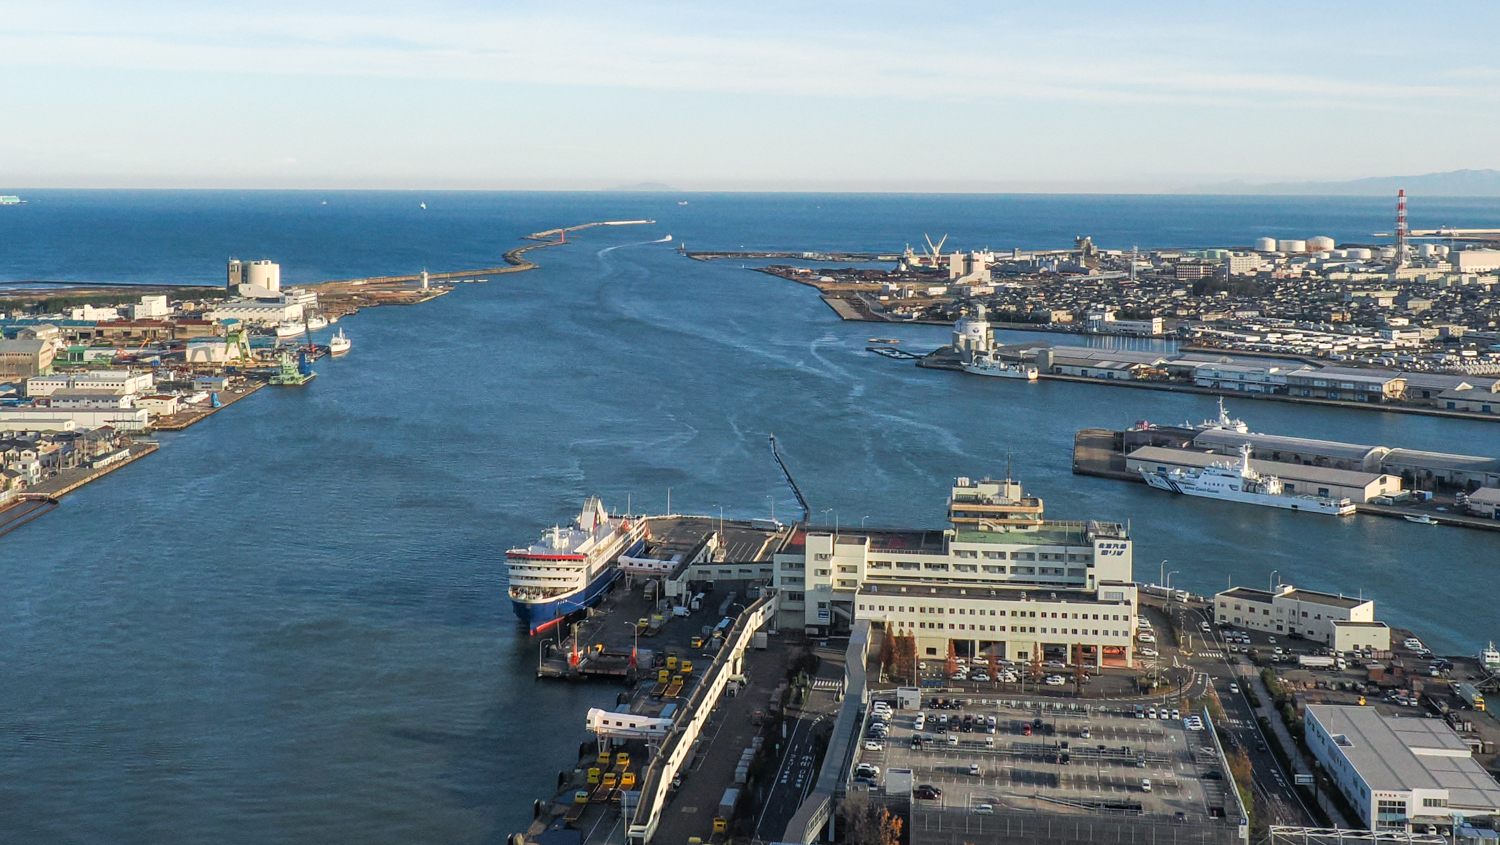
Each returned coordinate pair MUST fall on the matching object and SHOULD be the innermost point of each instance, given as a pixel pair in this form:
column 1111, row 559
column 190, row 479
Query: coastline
column 345, row 297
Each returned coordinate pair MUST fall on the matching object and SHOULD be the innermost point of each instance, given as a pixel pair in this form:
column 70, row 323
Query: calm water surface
column 289, row 624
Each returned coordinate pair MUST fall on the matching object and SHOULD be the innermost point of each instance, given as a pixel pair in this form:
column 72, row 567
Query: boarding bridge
column 607, row 724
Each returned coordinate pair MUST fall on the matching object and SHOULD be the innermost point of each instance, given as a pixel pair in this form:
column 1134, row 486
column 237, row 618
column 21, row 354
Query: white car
column 1175, row 714
column 980, row 677
column 1055, row 680
column 1234, row 688
column 984, row 809
column 1194, row 723
column 1147, row 652
column 1146, row 637
column 874, row 745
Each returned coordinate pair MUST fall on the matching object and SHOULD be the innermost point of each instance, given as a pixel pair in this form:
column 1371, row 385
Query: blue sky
column 825, row 96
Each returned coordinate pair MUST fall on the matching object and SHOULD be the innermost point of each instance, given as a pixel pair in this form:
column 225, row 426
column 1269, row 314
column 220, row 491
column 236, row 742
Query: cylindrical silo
column 1321, row 243
column 1291, row 246
column 1265, row 244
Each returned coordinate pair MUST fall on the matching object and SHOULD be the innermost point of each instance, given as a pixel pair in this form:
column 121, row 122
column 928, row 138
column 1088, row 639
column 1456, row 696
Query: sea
column 289, row 625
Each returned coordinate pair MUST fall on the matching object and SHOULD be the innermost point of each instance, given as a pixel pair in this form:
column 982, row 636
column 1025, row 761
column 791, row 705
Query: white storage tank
column 1265, row 244
column 1387, row 252
column 1441, row 249
column 1341, row 253
column 1361, row 253
column 1291, row 246
column 1321, row 243
column 1427, row 250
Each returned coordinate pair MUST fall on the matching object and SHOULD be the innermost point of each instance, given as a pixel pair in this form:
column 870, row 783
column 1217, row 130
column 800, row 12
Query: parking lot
column 1069, row 757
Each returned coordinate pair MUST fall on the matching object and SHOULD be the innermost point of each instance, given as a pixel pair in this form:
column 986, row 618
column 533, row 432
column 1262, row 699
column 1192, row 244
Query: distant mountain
column 646, row 187
column 1452, row 183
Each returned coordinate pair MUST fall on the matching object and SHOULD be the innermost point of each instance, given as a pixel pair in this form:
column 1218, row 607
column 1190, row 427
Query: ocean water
column 289, row 624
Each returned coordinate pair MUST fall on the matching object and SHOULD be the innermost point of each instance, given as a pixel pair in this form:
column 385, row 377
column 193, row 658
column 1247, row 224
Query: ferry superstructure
column 569, row 568
column 991, row 365
column 1240, row 482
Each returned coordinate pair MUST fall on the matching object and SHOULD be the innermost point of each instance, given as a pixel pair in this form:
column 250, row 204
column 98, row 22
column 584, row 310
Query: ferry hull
column 1291, row 503
column 540, row 616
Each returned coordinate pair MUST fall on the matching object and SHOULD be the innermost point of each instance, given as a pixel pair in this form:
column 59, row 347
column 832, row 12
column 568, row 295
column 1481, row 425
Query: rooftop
column 1014, row 592
column 1285, row 471
column 1269, row 444
column 1398, row 754
column 1047, row 533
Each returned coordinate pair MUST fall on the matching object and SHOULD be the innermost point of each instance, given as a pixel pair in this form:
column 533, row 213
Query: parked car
column 874, row 745
column 927, row 792
column 984, row 809
column 1055, row 680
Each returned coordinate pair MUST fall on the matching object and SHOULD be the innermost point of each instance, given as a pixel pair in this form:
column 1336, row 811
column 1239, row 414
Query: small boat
column 1424, row 519
column 682, row 202
column 891, row 340
column 422, row 205
column 1490, row 657
column 338, row 344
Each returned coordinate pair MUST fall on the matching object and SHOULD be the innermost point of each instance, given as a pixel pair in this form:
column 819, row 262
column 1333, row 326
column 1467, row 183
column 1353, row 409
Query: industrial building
column 1416, row 466
column 1001, row 580
column 116, row 382
column 1303, row 614
column 1297, row 479
column 1361, row 636
column 1400, row 774
column 26, row 418
column 23, row 357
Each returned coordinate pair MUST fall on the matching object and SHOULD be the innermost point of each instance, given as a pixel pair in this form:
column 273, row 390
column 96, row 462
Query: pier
column 193, row 416
column 791, row 482
column 1101, row 453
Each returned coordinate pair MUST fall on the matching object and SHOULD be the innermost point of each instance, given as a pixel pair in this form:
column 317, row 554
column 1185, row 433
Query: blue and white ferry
column 570, row 568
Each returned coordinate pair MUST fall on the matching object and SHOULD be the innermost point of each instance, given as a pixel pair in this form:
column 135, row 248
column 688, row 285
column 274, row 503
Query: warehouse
column 1297, row 479
column 1401, row 774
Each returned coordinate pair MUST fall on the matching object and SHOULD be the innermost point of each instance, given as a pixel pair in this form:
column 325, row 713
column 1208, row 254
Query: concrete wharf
column 1098, row 452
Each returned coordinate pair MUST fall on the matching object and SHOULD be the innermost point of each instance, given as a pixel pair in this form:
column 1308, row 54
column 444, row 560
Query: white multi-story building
column 150, row 307
column 1304, row 614
column 1402, row 774
column 117, row 382
column 257, row 312
column 1001, row 581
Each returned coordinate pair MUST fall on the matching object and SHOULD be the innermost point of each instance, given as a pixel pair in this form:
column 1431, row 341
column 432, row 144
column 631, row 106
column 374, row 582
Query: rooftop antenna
column 1007, row 465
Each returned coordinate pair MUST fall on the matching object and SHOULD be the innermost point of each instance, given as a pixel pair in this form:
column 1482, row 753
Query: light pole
column 1271, row 581
column 862, row 521
column 1161, row 577
column 636, row 646
column 1169, row 583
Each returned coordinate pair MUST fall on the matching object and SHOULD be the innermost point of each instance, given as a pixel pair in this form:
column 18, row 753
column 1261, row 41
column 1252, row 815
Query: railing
column 674, row 752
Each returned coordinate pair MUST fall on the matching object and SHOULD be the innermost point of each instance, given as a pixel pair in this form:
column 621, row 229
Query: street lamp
column 1161, row 577
column 636, row 646
column 862, row 521
column 1169, row 583
column 1271, row 581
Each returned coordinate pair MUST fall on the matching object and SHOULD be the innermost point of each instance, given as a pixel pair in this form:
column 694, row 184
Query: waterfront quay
column 1285, row 378
column 1445, row 489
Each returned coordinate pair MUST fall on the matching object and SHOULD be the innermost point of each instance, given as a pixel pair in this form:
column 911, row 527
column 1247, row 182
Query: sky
column 1083, row 96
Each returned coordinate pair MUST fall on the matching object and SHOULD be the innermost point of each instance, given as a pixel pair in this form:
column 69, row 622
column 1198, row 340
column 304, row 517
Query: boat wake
column 663, row 240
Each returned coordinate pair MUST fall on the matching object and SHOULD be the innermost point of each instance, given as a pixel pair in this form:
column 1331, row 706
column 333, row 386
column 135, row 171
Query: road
column 1218, row 667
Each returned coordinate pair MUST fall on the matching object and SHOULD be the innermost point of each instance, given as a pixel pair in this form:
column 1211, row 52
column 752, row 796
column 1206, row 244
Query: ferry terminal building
column 1001, row 581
